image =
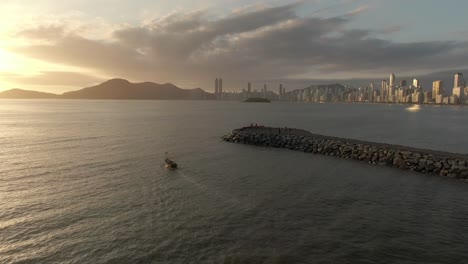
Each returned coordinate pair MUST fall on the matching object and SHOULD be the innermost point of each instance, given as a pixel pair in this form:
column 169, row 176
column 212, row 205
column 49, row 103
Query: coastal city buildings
column 392, row 80
column 387, row 92
column 437, row 91
column 459, row 81
column 459, row 89
column 219, row 88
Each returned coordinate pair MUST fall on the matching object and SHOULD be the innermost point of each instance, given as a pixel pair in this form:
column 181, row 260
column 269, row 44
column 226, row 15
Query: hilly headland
column 118, row 89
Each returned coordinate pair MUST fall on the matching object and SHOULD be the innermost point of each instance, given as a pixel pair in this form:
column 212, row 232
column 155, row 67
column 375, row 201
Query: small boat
column 170, row 164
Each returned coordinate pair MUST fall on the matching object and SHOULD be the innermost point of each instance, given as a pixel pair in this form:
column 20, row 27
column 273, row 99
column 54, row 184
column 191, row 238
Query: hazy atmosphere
column 57, row 47
column 233, row 131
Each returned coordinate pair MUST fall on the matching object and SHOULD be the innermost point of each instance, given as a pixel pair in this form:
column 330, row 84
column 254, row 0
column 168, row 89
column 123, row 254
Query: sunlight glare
column 7, row 61
column 414, row 108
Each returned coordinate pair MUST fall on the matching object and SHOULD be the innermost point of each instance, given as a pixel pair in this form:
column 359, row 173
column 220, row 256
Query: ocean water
column 83, row 182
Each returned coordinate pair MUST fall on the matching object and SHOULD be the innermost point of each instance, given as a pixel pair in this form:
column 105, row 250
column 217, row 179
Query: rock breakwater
column 421, row 160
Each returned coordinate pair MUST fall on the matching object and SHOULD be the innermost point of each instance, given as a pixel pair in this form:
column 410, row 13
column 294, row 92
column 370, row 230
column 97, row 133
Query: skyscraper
column 437, row 88
column 459, row 87
column 391, row 85
column 392, row 80
column 249, row 87
column 459, row 93
column 383, row 85
column 384, row 89
column 216, row 86
column 416, row 83
column 459, row 81
column 220, row 88
column 280, row 89
column 403, row 83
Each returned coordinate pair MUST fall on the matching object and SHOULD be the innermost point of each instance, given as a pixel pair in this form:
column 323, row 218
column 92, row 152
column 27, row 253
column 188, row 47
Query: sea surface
column 83, row 182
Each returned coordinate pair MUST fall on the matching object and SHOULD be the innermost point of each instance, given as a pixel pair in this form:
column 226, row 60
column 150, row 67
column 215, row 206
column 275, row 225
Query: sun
column 8, row 61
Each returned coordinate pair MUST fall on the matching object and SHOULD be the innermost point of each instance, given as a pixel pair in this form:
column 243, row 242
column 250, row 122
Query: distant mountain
column 122, row 89
column 119, row 89
column 25, row 94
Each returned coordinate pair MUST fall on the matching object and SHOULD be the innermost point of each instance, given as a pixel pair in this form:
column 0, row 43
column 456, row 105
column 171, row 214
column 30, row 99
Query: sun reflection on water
column 413, row 108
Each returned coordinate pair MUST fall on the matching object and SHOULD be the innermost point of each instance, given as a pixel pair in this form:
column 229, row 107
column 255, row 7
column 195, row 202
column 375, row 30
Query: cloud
column 262, row 43
column 43, row 32
column 358, row 10
column 391, row 29
column 51, row 78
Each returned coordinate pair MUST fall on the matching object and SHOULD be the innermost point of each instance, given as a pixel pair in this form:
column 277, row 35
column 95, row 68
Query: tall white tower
column 458, row 80
column 391, row 85
column 459, row 86
column 392, row 80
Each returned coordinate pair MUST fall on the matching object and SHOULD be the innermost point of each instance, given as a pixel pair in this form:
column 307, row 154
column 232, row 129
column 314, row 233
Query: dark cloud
column 258, row 44
column 51, row 78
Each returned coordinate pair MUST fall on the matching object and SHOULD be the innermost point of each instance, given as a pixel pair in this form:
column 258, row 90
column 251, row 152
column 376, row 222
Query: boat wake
column 209, row 192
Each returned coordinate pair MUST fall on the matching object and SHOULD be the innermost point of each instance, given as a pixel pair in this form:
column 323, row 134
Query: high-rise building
column 383, row 85
column 458, row 80
column 416, row 83
column 459, row 93
column 437, row 88
column 391, row 85
column 280, row 89
column 403, row 83
column 392, row 80
column 384, row 89
column 249, row 87
column 216, row 85
column 220, row 87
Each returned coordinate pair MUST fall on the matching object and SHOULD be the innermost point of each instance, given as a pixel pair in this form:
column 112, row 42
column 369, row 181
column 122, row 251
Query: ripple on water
column 74, row 189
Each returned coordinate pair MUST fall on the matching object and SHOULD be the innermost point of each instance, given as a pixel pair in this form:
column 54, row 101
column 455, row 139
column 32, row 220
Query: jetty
column 426, row 161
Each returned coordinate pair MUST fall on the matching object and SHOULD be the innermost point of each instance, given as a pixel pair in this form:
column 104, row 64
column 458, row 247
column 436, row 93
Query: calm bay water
column 83, row 182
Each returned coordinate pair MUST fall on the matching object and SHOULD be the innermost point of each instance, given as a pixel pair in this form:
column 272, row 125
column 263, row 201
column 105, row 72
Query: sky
column 58, row 46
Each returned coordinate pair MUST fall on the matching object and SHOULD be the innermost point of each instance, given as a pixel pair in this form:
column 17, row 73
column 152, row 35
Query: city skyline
column 64, row 46
column 388, row 92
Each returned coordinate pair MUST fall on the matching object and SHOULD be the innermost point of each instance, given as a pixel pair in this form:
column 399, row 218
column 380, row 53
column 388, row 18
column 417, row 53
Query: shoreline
column 214, row 100
column 434, row 162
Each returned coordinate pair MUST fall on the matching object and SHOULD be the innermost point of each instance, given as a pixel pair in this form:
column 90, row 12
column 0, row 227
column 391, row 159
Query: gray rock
column 464, row 174
column 370, row 153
